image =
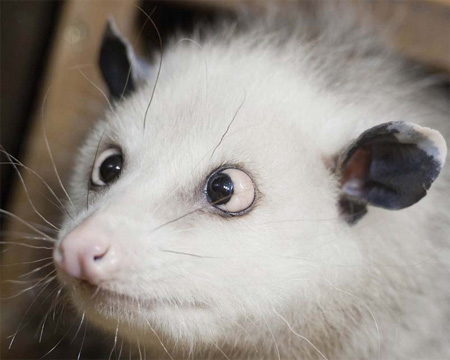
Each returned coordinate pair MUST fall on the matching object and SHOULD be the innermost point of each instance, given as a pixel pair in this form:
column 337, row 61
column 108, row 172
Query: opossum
column 264, row 191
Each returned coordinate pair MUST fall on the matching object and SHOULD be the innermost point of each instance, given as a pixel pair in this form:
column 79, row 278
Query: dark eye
column 107, row 167
column 230, row 190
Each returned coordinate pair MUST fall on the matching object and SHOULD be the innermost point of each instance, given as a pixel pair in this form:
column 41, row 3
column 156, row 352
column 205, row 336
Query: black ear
column 391, row 165
column 122, row 70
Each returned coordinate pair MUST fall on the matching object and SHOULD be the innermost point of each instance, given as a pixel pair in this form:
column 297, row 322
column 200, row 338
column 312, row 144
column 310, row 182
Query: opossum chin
column 143, row 319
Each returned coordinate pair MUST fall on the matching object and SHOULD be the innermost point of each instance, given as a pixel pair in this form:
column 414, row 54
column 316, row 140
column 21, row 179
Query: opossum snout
column 87, row 254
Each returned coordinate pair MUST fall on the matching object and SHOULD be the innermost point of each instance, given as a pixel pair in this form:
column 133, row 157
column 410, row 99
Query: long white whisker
column 82, row 341
column 273, row 337
column 368, row 309
column 25, row 245
column 47, row 144
column 27, row 194
column 36, row 270
column 27, row 262
column 120, row 351
column 31, row 171
column 154, row 332
column 115, row 339
column 79, row 327
column 59, row 342
column 59, row 317
column 19, row 327
column 92, row 168
column 55, row 301
column 25, row 223
column 139, row 349
column 38, row 283
column 37, row 238
column 300, row 336
column 101, row 91
column 48, row 313
column 221, row 351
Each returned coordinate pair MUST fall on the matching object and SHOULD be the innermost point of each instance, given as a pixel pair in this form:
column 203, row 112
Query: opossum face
column 206, row 208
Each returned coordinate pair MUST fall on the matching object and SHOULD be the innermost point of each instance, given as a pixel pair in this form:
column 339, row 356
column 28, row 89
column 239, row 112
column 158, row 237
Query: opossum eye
column 230, row 190
column 107, row 167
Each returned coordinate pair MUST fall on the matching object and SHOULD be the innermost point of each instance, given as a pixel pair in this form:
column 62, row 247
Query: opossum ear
column 391, row 165
column 122, row 70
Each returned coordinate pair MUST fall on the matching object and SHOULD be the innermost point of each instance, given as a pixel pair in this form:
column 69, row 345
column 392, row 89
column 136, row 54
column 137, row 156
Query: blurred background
column 50, row 90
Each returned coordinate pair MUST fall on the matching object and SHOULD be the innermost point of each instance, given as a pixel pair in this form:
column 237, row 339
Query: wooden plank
column 69, row 104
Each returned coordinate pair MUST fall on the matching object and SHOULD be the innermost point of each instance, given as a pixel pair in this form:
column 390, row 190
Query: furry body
column 289, row 279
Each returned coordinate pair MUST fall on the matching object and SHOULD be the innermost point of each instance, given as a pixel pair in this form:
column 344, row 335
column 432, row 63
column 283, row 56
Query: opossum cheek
column 87, row 254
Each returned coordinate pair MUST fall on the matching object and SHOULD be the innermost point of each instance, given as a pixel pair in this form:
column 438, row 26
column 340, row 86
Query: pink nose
column 86, row 254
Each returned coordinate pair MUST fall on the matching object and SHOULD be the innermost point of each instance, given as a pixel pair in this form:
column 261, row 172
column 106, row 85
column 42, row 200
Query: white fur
column 290, row 278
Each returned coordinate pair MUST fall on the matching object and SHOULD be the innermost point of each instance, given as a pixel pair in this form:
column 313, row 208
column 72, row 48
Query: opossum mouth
column 97, row 294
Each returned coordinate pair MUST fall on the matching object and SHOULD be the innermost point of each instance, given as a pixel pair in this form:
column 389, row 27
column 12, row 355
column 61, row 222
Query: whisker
column 59, row 317
column 298, row 220
column 23, row 282
column 176, row 219
column 38, row 283
column 37, row 238
column 139, row 349
column 229, row 125
column 79, row 327
column 27, row 194
column 120, row 351
column 221, row 351
column 20, row 327
column 36, row 270
column 101, row 91
column 133, row 46
column 47, row 144
column 189, row 254
column 368, row 309
column 31, row 171
column 203, row 158
column 160, row 60
column 154, row 332
column 44, row 320
column 27, row 262
column 27, row 224
column 55, row 300
column 115, row 340
column 192, row 212
column 92, row 168
column 82, row 341
column 206, row 64
column 25, row 245
column 81, row 66
column 43, row 227
column 59, row 342
column 300, row 336
column 95, row 293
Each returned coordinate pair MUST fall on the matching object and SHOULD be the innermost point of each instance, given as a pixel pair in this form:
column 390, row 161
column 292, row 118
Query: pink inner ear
column 356, row 171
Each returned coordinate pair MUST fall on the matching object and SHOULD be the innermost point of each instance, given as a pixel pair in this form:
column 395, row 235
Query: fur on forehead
column 199, row 92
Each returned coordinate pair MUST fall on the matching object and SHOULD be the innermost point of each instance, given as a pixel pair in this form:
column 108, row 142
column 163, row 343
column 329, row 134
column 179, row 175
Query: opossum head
column 225, row 186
